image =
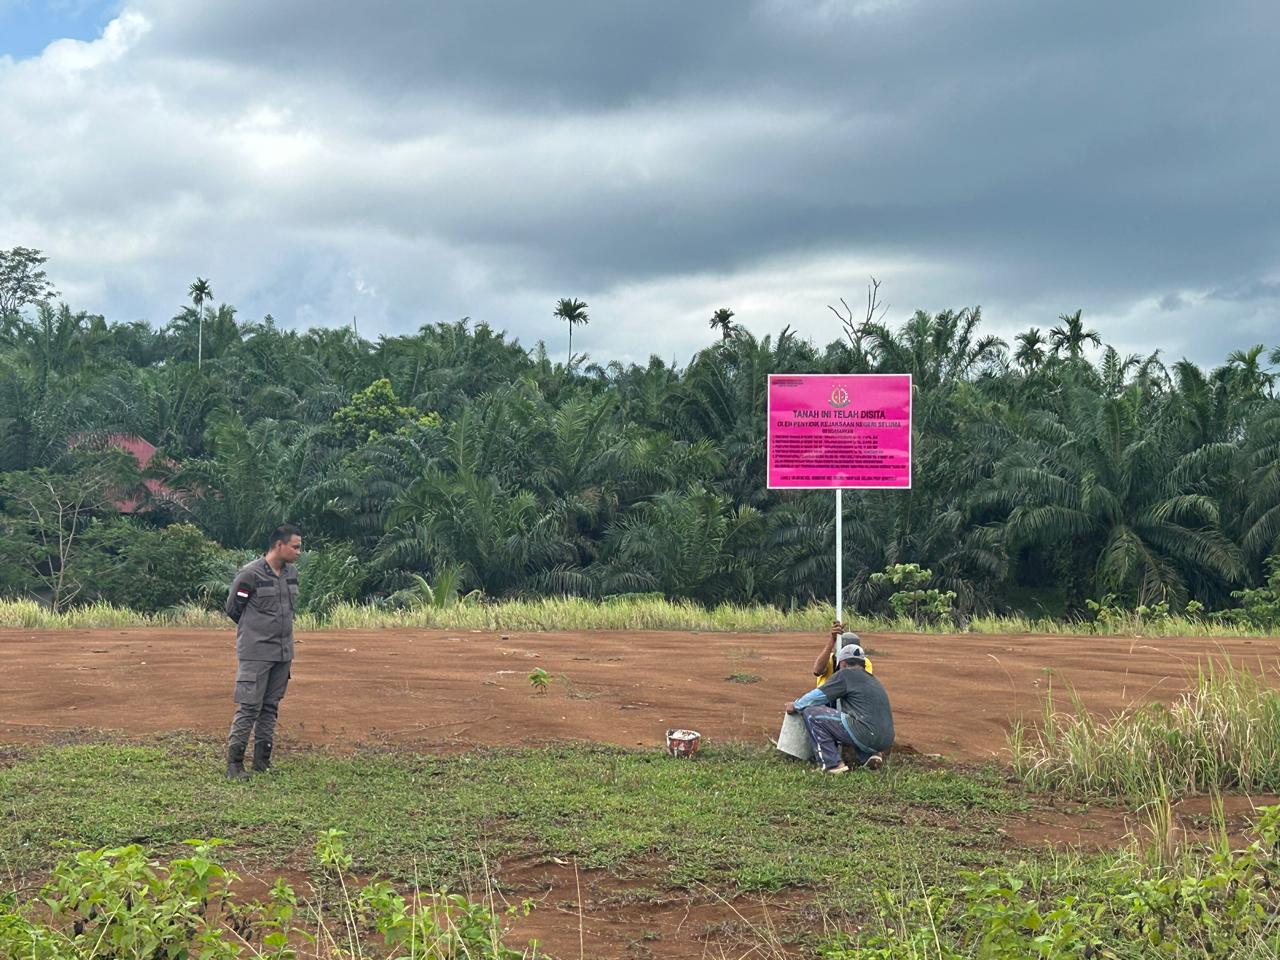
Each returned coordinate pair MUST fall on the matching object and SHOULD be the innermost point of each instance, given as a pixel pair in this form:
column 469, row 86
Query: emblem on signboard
column 839, row 397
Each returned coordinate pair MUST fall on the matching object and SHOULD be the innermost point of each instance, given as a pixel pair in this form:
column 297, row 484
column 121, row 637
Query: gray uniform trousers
column 260, row 686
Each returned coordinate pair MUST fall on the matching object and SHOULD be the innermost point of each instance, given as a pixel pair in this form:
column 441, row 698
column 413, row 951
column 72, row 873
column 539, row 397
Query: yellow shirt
column 831, row 668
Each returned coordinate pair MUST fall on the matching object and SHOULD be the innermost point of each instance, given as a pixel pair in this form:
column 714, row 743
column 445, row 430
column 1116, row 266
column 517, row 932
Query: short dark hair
column 283, row 534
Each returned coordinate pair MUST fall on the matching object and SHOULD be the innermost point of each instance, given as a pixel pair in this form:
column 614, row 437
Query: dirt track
column 440, row 690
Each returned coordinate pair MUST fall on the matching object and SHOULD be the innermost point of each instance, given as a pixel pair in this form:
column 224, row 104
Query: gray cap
column 851, row 651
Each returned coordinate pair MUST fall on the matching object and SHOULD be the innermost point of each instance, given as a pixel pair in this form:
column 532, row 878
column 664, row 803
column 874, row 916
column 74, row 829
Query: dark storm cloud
column 565, row 53
column 1039, row 157
column 1249, row 291
column 1107, row 138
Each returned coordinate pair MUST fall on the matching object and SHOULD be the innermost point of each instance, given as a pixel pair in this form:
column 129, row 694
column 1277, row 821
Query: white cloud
column 70, row 57
column 787, row 291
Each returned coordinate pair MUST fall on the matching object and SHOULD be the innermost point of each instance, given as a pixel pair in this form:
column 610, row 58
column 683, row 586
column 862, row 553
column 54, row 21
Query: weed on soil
column 912, row 862
column 740, row 818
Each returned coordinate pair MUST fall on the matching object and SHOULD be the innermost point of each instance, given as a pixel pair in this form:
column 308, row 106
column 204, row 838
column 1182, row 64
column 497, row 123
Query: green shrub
column 912, row 600
column 117, row 902
column 442, row 594
column 1260, row 607
column 1111, row 616
column 145, row 569
column 376, row 412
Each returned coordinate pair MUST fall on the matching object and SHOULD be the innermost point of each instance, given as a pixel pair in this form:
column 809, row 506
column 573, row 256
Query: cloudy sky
column 406, row 163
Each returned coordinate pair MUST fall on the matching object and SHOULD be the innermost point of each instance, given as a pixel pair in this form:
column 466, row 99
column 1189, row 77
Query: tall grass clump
column 1128, row 625
column 1205, row 903
column 630, row 612
column 195, row 615
column 1222, row 735
column 573, row 613
column 30, row 615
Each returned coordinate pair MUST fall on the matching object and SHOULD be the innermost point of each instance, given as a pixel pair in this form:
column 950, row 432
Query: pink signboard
column 850, row 431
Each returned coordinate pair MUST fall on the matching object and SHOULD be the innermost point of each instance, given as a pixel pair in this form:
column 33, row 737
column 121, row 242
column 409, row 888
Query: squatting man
column 263, row 597
column 849, row 709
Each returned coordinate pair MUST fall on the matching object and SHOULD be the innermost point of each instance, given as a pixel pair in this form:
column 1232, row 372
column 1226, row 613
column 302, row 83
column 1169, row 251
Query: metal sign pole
column 839, row 555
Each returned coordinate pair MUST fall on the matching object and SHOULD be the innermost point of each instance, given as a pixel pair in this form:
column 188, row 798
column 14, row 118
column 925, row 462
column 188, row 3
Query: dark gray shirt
column 262, row 605
column 864, row 705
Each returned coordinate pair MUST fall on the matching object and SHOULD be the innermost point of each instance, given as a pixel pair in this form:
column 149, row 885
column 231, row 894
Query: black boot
column 235, row 762
column 261, row 756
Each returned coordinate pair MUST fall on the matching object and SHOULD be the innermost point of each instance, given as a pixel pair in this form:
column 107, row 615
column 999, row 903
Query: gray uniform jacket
column 262, row 606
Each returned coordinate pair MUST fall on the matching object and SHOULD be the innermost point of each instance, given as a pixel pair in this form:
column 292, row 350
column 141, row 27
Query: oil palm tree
column 499, row 538
column 1113, row 370
column 1252, row 493
column 227, row 493
column 936, row 349
column 1105, row 488
column 573, row 312
column 691, row 543
column 723, row 398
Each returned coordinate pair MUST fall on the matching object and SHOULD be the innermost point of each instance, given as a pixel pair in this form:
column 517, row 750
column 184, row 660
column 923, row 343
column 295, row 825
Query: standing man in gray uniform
column 263, row 597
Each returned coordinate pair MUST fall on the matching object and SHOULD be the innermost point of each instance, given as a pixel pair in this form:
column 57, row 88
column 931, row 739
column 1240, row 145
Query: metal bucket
column 793, row 738
column 683, row 743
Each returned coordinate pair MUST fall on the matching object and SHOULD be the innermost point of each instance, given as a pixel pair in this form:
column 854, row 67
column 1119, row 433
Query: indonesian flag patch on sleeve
column 243, row 591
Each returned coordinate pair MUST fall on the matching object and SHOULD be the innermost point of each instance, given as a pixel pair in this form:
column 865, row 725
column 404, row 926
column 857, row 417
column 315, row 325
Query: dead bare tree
column 857, row 332
column 49, row 512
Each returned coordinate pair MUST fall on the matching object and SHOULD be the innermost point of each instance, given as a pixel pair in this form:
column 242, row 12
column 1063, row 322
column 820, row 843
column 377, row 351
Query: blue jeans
column 827, row 732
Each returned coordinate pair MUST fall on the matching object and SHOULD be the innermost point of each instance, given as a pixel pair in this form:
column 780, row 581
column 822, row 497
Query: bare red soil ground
column 441, row 691
column 953, row 695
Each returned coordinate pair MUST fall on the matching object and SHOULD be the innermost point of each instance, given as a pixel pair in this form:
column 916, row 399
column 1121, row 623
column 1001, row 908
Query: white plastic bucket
column 793, row 738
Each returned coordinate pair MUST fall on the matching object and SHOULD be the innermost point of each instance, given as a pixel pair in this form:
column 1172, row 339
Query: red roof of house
column 143, row 451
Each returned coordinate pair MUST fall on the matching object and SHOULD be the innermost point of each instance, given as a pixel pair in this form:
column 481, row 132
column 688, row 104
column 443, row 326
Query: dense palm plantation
column 1042, row 478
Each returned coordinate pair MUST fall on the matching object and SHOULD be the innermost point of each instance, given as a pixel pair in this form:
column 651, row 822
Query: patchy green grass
column 733, row 818
column 904, row 865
